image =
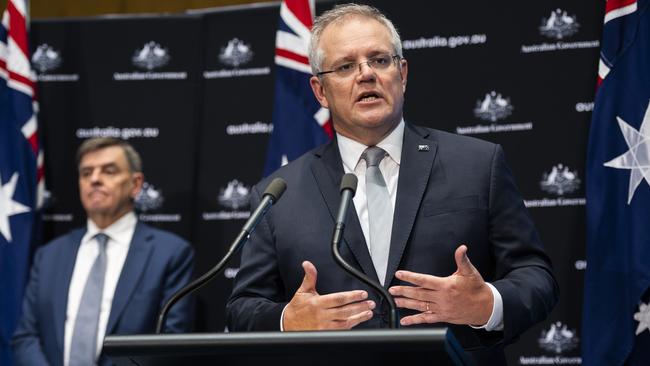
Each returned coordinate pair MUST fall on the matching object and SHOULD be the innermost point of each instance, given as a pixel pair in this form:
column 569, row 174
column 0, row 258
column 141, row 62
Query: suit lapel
column 134, row 266
column 65, row 261
column 414, row 172
column 328, row 171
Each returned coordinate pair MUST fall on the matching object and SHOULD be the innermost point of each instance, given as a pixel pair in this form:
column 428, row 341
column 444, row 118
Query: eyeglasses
column 379, row 63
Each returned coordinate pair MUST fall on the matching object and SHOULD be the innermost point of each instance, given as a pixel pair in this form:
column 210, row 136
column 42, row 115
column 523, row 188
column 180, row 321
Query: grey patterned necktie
column 380, row 211
column 83, row 348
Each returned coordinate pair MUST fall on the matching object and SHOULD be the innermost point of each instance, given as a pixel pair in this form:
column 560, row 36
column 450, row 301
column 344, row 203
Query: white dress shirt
column 120, row 234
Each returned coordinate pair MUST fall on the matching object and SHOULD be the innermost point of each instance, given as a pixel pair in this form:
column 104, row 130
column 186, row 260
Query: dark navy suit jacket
column 458, row 191
column 157, row 265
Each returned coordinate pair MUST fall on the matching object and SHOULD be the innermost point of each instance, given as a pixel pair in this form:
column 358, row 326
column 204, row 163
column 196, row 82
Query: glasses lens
column 380, row 62
column 345, row 69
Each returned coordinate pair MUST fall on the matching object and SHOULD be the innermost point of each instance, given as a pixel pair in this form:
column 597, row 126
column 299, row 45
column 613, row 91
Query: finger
column 422, row 318
column 420, row 279
column 309, row 281
column 417, row 293
column 342, row 298
column 346, row 311
column 417, row 305
column 354, row 320
column 465, row 266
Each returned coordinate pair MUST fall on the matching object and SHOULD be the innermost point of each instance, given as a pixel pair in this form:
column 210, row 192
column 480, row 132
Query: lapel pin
column 423, row 147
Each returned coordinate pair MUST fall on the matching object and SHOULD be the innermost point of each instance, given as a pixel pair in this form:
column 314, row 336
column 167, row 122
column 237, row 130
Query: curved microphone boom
column 348, row 189
column 271, row 195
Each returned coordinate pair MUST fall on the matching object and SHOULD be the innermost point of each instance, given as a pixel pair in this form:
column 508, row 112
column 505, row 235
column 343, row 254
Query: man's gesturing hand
column 308, row 310
column 462, row 298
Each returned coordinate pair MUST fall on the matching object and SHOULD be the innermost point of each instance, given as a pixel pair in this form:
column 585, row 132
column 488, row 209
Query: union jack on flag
column 21, row 168
column 616, row 310
column 299, row 122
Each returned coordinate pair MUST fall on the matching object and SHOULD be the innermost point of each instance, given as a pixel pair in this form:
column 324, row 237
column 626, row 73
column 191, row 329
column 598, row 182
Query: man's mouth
column 368, row 97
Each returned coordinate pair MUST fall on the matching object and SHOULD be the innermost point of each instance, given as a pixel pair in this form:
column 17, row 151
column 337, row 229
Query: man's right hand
column 308, row 310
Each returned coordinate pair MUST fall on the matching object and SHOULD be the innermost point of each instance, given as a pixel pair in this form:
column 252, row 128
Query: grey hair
column 98, row 143
column 336, row 15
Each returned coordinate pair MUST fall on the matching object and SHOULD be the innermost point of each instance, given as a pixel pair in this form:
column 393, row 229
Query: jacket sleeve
column 523, row 270
column 258, row 296
column 178, row 274
column 26, row 341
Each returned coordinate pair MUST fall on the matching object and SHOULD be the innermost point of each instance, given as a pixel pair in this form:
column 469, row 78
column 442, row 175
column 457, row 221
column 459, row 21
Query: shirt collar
column 351, row 150
column 117, row 231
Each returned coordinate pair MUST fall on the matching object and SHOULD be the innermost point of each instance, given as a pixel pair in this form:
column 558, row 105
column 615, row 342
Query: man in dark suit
column 435, row 215
column 111, row 277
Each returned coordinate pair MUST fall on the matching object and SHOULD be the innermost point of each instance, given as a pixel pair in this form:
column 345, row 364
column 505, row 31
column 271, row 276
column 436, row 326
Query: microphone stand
column 272, row 193
column 199, row 282
column 348, row 188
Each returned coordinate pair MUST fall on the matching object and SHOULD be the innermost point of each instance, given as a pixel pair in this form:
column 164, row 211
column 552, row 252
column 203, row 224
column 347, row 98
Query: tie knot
column 102, row 239
column 373, row 155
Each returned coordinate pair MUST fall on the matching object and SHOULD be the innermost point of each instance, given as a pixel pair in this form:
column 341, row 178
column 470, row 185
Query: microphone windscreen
column 349, row 181
column 275, row 189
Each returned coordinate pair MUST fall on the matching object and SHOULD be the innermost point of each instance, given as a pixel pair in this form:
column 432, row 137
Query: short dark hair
column 98, row 143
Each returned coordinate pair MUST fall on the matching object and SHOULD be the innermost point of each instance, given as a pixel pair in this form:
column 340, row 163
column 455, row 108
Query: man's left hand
column 462, row 298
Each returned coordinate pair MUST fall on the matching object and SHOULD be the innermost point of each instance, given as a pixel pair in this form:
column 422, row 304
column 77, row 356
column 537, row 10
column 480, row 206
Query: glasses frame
column 394, row 59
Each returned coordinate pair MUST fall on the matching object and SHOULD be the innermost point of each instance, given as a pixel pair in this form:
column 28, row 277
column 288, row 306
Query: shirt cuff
column 282, row 318
column 496, row 318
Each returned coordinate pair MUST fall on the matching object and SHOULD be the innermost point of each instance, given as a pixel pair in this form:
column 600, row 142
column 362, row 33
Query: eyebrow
column 343, row 60
column 346, row 59
column 107, row 165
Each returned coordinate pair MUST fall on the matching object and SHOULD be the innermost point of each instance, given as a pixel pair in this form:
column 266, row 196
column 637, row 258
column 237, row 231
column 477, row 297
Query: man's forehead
column 104, row 156
column 355, row 33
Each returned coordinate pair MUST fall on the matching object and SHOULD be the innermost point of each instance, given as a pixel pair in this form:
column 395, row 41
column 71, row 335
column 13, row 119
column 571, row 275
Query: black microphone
column 271, row 195
column 348, row 189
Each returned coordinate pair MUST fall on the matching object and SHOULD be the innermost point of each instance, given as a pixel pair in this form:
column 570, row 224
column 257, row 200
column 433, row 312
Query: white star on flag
column 9, row 207
column 643, row 317
column 637, row 158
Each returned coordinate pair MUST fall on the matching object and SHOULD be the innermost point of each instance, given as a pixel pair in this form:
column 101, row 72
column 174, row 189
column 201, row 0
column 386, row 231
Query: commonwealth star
column 9, row 207
column 637, row 158
column 643, row 317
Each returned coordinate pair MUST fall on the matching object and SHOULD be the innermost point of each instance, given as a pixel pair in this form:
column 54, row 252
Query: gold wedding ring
column 428, row 311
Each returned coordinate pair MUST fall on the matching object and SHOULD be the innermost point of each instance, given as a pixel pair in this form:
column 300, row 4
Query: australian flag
column 299, row 122
column 616, row 316
column 21, row 170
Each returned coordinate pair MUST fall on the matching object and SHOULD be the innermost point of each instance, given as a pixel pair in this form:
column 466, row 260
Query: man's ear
column 138, row 181
column 403, row 71
column 317, row 87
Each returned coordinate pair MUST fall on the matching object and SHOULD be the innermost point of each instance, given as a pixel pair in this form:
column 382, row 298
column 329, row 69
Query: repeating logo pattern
column 235, row 195
column 493, row 107
column 46, row 58
column 560, row 180
column 149, row 198
column 236, row 53
column 151, row 56
column 559, row 25
column 558, row 338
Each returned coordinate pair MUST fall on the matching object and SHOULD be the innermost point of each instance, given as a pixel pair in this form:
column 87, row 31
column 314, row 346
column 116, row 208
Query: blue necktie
column 83, row 348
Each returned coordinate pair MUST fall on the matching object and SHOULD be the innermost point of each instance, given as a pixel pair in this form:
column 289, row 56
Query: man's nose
column 95, row 176
column 365, row 71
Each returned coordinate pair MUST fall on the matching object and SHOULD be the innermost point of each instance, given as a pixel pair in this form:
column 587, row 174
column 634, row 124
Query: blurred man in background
column 111, row 277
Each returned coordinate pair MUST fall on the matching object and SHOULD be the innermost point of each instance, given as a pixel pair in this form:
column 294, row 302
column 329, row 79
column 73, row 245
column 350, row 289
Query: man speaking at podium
column 439, row 221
